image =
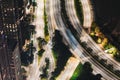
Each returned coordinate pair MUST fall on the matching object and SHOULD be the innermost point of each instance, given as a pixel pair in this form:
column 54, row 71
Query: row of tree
column 45, row 69
column 100, row 60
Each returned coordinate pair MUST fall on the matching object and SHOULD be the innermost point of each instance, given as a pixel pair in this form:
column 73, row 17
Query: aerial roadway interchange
column 55, row 12
column 57, row 21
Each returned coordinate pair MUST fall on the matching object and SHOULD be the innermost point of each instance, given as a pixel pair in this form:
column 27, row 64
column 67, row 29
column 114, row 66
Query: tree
column 110, row 66
column 117, row 72
column 103, row 61
column 98, row 77
column 32, row 29
column 87, row 67
column 97, row 30
column 96, row 57
column 84, row 44
column 89, row 50
column 45, row 69
column 34, row 4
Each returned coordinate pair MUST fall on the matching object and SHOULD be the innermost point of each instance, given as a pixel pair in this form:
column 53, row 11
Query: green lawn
column 77, row 72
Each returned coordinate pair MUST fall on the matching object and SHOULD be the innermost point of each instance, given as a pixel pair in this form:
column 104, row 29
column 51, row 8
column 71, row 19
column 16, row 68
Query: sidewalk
column 33, row 69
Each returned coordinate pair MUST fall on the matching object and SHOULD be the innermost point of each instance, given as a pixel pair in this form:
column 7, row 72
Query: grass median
column 46, row 32
column 79, row 11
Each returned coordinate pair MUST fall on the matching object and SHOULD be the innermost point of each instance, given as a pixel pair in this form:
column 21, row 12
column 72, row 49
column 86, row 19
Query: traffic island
column 79, row 11
column 46, row 32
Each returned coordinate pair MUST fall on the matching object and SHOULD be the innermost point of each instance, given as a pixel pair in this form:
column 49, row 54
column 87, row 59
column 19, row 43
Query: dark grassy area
column 62, row 53
column 79, row 10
